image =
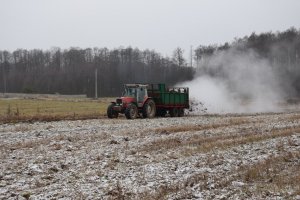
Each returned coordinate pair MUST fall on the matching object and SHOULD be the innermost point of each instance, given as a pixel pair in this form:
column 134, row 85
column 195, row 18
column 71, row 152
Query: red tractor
column 149, row 101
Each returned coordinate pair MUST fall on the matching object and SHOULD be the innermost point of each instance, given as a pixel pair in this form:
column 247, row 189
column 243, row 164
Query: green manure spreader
column 150, row 100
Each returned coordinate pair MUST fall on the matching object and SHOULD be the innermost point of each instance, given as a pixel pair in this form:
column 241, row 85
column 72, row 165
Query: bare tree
column 178, row 57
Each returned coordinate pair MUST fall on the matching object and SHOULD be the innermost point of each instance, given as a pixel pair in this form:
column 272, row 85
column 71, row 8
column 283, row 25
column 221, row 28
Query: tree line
column 72, row 71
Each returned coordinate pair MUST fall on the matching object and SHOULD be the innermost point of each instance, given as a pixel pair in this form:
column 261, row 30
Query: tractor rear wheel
column 174, row 112
column 111, row 113
column 131, row 111
column 149, row 109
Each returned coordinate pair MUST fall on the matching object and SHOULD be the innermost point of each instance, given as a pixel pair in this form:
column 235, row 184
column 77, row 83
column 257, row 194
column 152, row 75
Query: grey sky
column 162, row 25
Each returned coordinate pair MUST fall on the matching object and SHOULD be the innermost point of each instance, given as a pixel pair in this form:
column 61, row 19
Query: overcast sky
column 162, row 25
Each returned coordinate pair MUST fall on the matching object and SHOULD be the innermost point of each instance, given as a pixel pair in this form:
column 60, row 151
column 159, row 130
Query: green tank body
column 172, row 96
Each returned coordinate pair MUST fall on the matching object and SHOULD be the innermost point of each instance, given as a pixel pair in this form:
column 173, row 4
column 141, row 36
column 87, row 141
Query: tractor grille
column 119, row 101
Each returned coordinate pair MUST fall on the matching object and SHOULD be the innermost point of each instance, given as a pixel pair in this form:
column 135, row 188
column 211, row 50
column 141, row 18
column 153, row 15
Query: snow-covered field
column 253, row 156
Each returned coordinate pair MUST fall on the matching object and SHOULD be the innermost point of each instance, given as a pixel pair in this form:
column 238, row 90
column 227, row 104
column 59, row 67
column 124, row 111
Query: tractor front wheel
column 149, row 109
column 111, row 113
column 131, row 111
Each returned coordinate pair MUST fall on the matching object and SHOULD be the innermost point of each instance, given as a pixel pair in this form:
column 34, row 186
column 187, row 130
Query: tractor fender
column 145, row 100
column 141, row 105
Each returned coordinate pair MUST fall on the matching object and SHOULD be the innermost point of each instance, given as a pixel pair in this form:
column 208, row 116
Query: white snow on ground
column 142, row 158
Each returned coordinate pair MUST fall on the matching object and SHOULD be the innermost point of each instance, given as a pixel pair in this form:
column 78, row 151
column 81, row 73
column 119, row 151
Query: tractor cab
column 136, row 93
column 134, row 101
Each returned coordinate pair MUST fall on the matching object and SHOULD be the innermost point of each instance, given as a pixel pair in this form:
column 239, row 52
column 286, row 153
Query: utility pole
column 96, row 83
column 4, row 80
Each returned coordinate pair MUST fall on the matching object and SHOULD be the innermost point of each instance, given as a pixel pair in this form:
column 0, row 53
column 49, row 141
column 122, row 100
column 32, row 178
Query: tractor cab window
column 142, row 92
column 130, row 92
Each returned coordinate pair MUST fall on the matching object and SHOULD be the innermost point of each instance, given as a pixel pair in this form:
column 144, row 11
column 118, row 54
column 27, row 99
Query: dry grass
column 294, row 117
column 222, row 142
column 21, row 128
column 271, row 176
column 266, row 178
column 166, row 191
column 207, row 143
column 56, row 146
column 275, row 174
column 15, row 110
column 192, row 128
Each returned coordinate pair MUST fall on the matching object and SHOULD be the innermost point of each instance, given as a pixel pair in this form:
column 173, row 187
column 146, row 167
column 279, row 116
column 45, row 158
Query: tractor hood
column 128, row 100
column 125, row 100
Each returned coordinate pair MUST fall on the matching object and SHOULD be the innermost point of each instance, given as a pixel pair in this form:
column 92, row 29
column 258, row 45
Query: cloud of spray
column 236, row 81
